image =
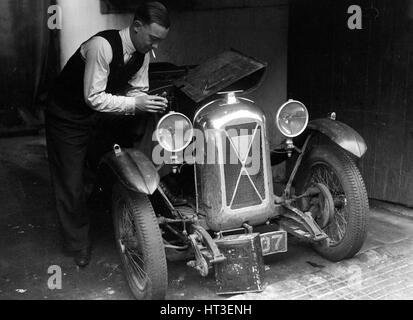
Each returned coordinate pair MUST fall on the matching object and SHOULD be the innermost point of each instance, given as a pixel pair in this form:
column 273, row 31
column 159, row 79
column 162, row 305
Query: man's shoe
column 82, row 257
column 175, row 200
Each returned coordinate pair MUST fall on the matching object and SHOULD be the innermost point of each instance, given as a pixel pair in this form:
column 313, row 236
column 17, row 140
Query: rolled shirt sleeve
column 98, row 55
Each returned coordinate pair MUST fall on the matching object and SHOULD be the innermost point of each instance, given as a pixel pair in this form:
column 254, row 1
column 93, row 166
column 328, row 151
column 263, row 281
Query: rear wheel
column 331, row 167
column 140, row 244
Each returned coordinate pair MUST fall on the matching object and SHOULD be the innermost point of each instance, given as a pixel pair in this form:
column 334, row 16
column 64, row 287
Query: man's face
column 146, row 37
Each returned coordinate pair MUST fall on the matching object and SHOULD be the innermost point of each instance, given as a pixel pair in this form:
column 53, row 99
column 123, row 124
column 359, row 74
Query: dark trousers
column 74, row 139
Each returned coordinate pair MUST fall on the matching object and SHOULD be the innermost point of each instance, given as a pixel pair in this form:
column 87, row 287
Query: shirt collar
column 128, row 46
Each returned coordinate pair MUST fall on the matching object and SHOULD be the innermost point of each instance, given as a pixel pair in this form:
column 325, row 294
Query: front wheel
column 347, row 225
column 140, row 244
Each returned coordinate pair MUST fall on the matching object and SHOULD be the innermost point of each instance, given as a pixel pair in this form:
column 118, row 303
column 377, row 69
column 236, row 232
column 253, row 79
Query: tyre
column 347, row 226
column 139, row 242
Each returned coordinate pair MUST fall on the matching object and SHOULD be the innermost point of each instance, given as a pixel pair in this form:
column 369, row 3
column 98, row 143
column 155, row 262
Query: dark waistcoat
column 68, row 89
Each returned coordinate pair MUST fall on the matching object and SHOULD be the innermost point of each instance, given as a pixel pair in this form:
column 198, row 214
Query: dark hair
column 153, row 12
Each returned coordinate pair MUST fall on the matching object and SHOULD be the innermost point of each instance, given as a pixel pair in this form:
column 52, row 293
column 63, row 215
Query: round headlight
column 292, row 118
column 174, row 132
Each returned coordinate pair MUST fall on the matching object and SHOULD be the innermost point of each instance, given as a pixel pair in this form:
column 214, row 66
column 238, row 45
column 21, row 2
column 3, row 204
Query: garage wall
column 81, row 20
column 24, row 39
column 365, row 76
column 199, row 34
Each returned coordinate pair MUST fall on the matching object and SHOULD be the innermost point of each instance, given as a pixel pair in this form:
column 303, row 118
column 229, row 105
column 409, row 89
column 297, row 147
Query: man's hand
column 154, row 104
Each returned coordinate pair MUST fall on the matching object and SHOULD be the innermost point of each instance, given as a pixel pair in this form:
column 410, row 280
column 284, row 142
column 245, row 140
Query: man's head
column 150, row 26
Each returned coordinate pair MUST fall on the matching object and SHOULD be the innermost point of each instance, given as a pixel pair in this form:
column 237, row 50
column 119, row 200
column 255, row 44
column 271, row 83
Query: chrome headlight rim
column 278, row 116
column 159, row 127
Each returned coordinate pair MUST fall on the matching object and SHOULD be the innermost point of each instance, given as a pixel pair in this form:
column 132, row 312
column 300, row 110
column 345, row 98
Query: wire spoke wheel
column 336, row 229
column 132, row 250
column 347, row 228
column 140, row 244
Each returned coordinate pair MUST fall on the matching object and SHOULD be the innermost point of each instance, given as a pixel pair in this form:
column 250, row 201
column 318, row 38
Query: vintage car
column 215, row 142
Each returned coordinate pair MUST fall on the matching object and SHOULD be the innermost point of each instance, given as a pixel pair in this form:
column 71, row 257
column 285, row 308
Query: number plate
column 273, row 242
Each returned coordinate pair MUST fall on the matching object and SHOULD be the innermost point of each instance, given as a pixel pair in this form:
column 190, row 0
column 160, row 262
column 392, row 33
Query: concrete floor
column 30, row 244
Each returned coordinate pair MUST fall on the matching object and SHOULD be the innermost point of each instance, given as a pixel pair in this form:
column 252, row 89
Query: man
column 108, row 75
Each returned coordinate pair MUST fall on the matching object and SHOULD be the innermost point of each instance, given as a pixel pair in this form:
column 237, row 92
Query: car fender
column 133, row 169
column 342, row 134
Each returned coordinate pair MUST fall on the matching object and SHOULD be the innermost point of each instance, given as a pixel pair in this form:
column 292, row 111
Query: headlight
column 292, row 118
column 174, row 132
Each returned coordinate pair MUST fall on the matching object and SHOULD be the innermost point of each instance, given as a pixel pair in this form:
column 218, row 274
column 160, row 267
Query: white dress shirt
column 97, row 54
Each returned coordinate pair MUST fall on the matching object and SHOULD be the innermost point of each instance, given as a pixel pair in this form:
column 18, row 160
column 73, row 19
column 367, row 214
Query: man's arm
column 138, row 88
column 98, row 55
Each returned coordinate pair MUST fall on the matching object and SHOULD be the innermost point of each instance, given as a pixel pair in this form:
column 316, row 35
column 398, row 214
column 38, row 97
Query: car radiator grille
column 244, row 182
